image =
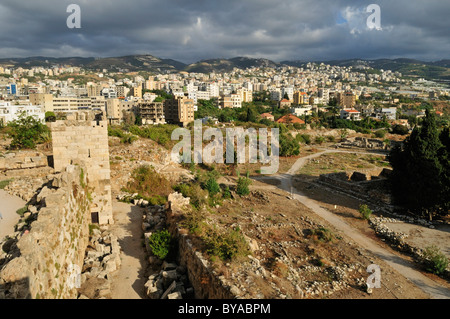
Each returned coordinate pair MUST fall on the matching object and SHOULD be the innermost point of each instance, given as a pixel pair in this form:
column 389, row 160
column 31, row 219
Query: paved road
column 403, row 266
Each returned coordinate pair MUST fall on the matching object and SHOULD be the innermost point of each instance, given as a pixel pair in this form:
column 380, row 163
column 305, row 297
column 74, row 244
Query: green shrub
column 365, row 211
column 436, row 262
column 319, row 140
column 198, row 196
column 322, row 234
column 116, row 132
column 22, row 211
column 148, row 183
column 50, row 117
column 380, row 133
column 128, row 139
column 331, row 138
column 226, row 193
column 243, row 184
column 227, row 245
column 161, row 244
column 5, row 183
column 26, row 132
column 212, row 186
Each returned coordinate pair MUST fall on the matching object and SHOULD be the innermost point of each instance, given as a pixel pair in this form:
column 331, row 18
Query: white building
column 303, row 110
column 389, row 112
column 10, row 112
column 109, row 93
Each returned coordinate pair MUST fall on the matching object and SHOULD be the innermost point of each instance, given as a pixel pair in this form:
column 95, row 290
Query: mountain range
column 437, row 70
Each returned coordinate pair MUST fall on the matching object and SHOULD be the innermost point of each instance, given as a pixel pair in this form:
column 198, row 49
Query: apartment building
column 44, row 100
column 230, row 101
column 122, row 91
column 179, row 110
column 346, row 99
column 10, row 112
column 300, row 98
column 151, row 113
column 115, row 109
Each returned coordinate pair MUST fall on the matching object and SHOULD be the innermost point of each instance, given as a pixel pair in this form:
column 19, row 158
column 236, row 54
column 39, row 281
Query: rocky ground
column 297, row 255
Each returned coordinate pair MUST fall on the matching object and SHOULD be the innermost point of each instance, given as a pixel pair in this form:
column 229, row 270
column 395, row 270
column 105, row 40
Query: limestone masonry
column 83, row 138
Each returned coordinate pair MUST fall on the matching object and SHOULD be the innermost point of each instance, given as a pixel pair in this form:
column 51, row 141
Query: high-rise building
column 179, row 110
column 151, row 113
column 45, row 100
column 346, row 99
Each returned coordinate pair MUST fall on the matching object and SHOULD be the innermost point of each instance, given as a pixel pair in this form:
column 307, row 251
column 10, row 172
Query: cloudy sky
column 191, row 30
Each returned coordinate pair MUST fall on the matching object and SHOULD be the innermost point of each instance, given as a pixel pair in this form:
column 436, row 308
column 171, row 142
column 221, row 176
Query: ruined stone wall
column 22, row 160
column 55, row 243
column 82, row 138
column 359, row 185
column 206, row 282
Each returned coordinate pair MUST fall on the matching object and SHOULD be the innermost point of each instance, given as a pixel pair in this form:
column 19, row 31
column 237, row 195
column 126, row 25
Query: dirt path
column 401, row 265
column 128, row 282
column 8, row 206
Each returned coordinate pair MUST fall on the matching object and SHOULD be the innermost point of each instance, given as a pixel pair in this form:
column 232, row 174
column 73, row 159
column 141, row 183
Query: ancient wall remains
column 83, row 138
column 46, row 257
column 22, row 160
column 370, row 185
column 206, row 282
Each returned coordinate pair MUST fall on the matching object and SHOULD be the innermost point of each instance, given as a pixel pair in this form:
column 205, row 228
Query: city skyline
column 197, row 30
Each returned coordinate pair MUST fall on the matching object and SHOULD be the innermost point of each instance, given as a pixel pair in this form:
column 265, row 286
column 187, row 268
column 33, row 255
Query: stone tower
column 83, row 137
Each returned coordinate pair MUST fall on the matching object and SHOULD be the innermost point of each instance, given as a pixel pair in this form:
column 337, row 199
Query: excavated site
column 292, row 253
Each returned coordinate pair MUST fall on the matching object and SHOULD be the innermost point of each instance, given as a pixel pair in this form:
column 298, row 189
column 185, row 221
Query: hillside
column 437, row 70
column 129, row 63
column 227, row 65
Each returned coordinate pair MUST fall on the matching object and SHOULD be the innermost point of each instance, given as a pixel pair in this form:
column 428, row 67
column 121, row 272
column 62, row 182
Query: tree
column 50, row 117
column 26, row 132
column 421, row 170
column 251, row 115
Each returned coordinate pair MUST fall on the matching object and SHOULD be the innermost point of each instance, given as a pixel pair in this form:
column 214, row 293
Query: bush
column 400, row 130
column 365, row 211
column 288, row 145
column 22, row 211
column 198, row 196
column 5, row 183
column 226, row 193
column 148, row 183
column 331, row 138
column 226, row 246
column 161, row 244
column 322, row 234
column 212, row 186
column 128, row 139
column 436, row 262
column 319, row 140
column 380, row 134
column 243, row 184
column 26, row 132
column 50, row 117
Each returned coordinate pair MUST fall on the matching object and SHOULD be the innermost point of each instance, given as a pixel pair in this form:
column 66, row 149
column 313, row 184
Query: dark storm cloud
column 197, row 29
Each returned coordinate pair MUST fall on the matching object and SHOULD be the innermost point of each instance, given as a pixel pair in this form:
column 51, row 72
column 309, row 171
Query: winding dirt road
column 403, row 266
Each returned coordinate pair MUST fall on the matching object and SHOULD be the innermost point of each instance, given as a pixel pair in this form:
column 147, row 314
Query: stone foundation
column 52, row 245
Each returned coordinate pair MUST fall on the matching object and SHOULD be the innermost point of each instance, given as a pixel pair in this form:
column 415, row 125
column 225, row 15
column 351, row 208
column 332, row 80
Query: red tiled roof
column 351, row 111
column 290, row 118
